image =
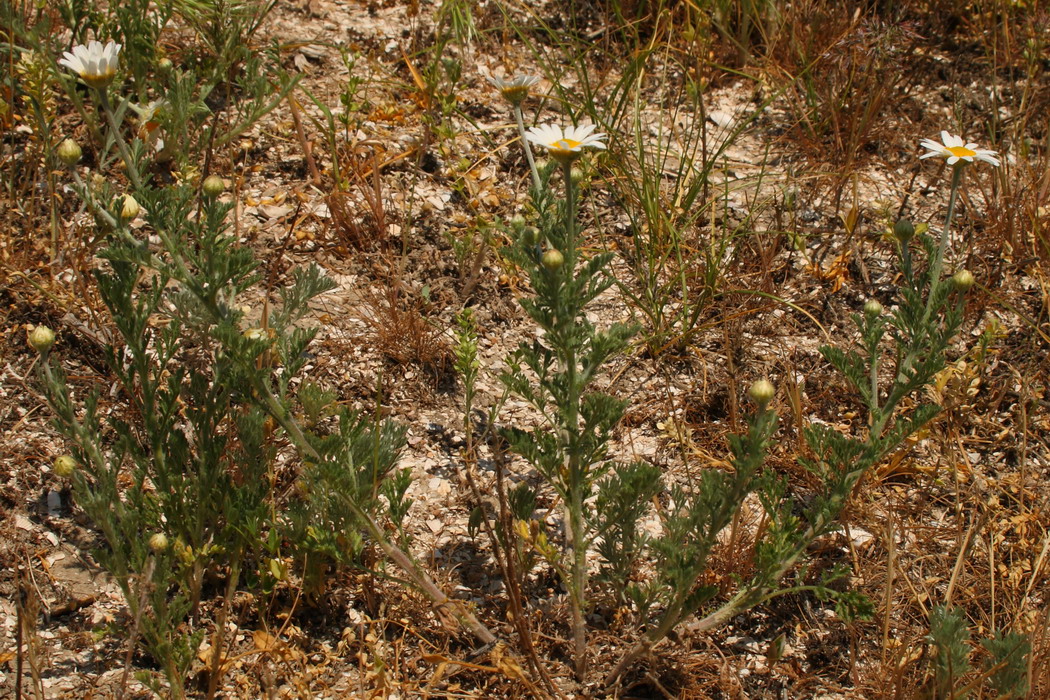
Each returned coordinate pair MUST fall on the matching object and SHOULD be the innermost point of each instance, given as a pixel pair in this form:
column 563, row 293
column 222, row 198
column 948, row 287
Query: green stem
column 130, row 167
column 528, row 150
column 938, row 258
column 576, row 470
column 874, row 384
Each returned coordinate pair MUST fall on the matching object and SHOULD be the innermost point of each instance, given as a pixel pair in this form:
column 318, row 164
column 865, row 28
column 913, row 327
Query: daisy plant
column 557, row 375
column 957, row 153
column 515, row 91
column 96, row 64
column 898, row 355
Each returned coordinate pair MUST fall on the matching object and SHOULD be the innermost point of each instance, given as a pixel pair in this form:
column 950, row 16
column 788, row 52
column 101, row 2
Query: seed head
column 963, row 280
column 69, row 152
column 129, row 209
column 213, row 186
column 903, row 230
column 553, row 259
column 158, row 542
column 64, row 466
column 41, row 338
column 762, row 392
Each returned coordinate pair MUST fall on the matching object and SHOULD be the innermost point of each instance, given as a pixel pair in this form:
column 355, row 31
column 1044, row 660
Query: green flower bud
column 41, row 338
column 517, row 223
column 872, row 308
column 165, row 65
column 530, row 236
column 903, row 230
column 963, row 280
column 761, row 392
column 213, row 186
column 65, row 466
column 184, row 552
column 129, row 209
column 553, row 259
column 158, row 543
column 577, row 176
column 69, row 152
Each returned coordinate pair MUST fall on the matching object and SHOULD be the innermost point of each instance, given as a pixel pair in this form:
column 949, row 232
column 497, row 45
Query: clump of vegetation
column 694, row 390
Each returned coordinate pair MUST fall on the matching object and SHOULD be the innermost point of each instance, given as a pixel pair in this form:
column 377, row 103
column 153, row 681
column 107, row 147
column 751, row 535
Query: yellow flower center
column 515, row 94
column 961, row 152
column 566, row 144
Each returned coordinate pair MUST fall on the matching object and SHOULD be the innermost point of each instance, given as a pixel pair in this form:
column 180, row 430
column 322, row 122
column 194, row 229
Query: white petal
column 580, row 133
column 953, row 160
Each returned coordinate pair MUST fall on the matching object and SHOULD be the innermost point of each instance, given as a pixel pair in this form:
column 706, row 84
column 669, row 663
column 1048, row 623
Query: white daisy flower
column 954, row 149
column 95, row 64
column 565, row 145
column 516, row 89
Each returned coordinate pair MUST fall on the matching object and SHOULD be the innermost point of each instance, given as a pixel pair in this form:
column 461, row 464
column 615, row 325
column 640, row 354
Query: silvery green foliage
column 1006, row 668
column 202, row 404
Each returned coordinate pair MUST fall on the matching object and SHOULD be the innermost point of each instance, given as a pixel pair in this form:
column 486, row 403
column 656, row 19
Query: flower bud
column 903, row 230
column 872, row 308
column 213, row 186
column 530, row 236
column 184, row 552
column 963, row 280
column 165, row 65
column 129, row 209
column 553, row 259
column 577, row 176
column 761, row 392
column 255, row 334
column 65, row 466
column 517, row 223
column 69, row 152
column 158, row 543
column 41, row 338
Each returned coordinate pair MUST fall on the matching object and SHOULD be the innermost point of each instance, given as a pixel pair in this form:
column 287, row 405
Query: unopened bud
column 872, row 308
column 530, row 236
column 69, row 152
column 761, row 392
column 65, row 466
column 158, row 543
column 963, row 280
column 517, row 223
column 553, row 259
column 213, row 186
column 903, row 230
column 129, row 209
column 41, row 339
column 577, row 176
column 165, row 65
